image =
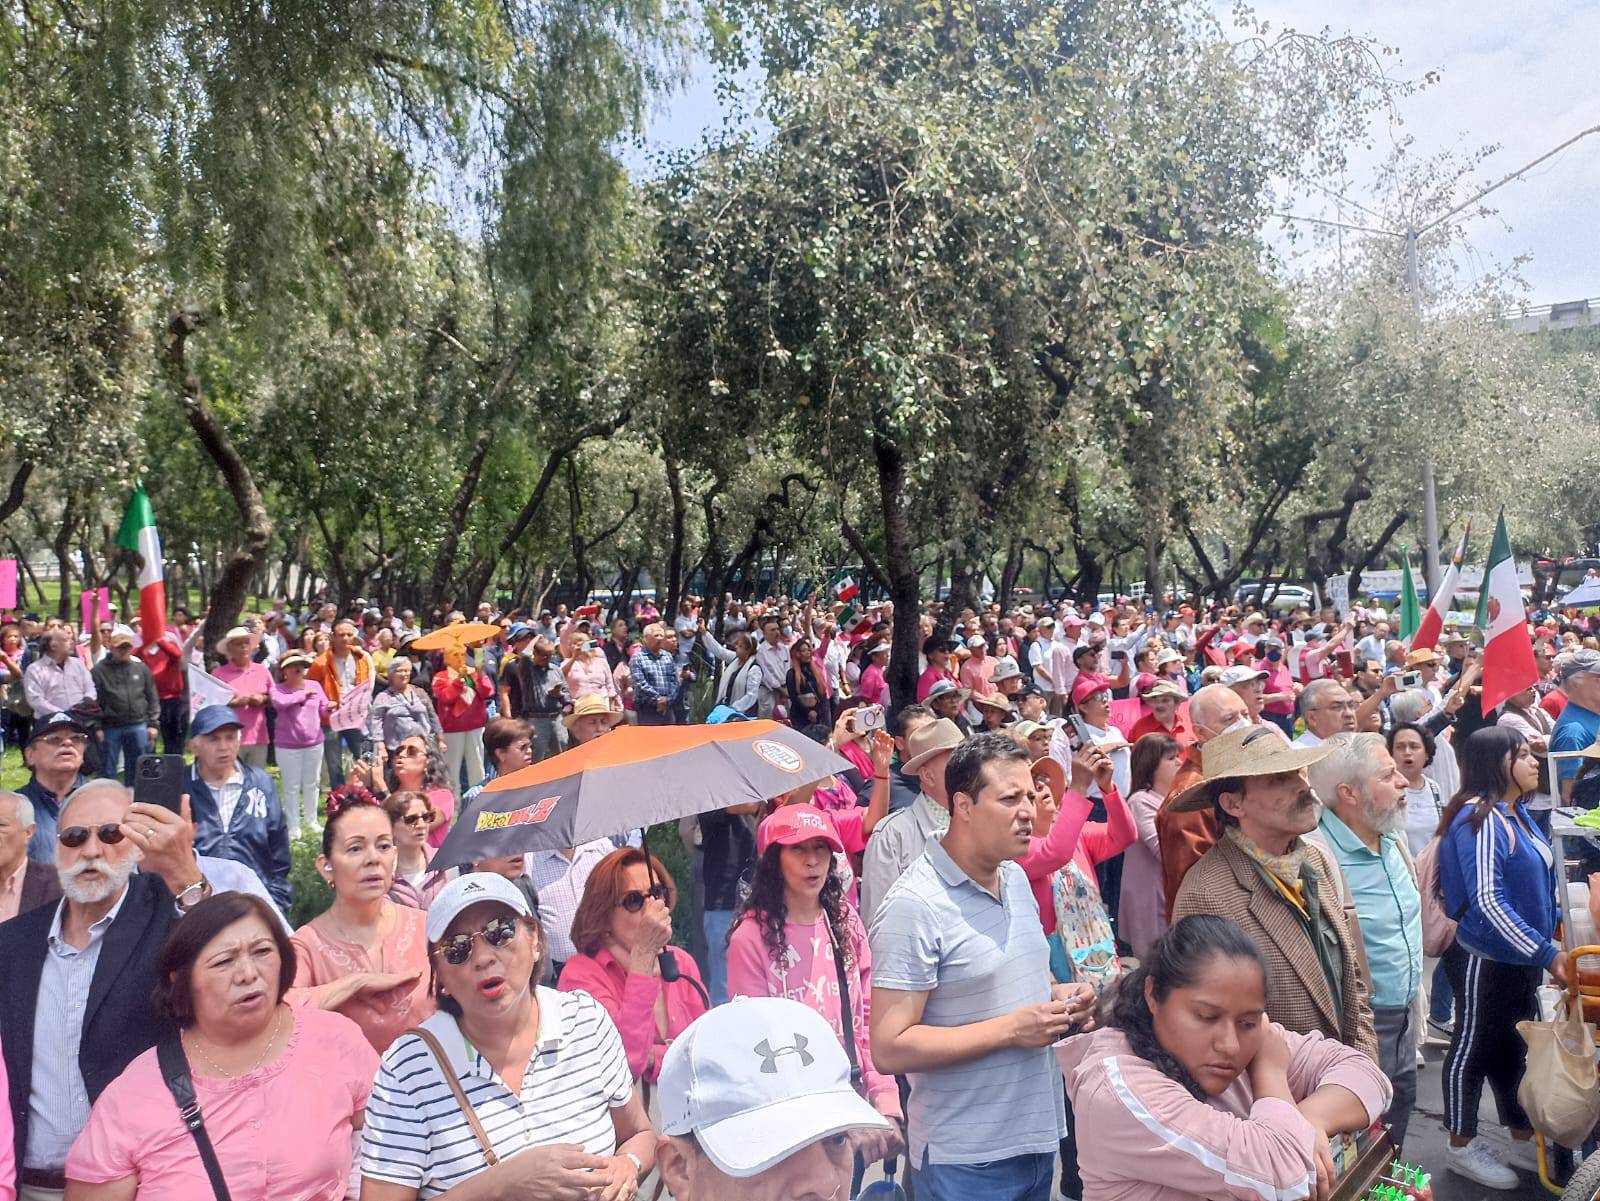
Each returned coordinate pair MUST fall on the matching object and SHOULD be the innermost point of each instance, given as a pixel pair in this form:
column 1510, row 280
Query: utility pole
column 1430, row 507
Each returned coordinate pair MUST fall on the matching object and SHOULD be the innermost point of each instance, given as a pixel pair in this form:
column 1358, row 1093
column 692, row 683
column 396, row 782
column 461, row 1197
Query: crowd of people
column 1125, row 901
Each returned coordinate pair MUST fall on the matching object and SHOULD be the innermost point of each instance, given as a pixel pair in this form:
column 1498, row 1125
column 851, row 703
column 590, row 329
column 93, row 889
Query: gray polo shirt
column 940, row 933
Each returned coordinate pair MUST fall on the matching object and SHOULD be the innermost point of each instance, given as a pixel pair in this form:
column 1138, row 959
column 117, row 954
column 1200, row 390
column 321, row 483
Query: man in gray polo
column 962, row 1001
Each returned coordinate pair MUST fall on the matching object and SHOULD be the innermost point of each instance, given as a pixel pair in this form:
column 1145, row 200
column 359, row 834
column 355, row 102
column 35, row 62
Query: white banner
column 1339, row 594
column 1470, row 580
column 205, row 689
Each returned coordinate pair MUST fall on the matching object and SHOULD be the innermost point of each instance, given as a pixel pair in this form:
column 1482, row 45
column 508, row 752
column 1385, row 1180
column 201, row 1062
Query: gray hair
column 1353, row 761
column 1318, row 691
column 1570, row 663
column 103, row 784
column 23, row 804
column 1412, row 705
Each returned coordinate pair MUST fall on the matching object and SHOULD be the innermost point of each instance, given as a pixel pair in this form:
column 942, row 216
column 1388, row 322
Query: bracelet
column 638, row 1164
column 880, row 777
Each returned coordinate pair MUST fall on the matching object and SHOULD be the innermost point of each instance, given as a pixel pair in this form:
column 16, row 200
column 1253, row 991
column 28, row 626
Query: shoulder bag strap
column 175, row 1071
column 847, row 1017
column 489, row 1157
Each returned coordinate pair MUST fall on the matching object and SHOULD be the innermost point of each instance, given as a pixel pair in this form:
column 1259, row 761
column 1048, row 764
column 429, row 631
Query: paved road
column 1426, row 1142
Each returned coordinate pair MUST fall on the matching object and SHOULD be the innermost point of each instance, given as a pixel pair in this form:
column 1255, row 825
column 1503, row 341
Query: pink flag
column 86, row 609
column 8, row 583
column 94, row 606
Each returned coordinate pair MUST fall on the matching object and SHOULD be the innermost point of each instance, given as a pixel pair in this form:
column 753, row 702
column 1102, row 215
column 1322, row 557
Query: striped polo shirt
column 416, row 1134
column 977, row 957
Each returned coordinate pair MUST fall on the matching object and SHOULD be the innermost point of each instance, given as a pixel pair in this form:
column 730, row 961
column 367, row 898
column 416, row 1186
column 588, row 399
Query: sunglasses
column 497, row 932
column 420, row 819
column 634, row 901
column 75, row 836
column 59, row 741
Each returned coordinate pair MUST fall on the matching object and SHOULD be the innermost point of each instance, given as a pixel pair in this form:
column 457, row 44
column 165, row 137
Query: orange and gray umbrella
column 634, row 776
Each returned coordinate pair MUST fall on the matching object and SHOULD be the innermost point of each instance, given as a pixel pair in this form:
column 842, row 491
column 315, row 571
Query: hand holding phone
column 158, row 780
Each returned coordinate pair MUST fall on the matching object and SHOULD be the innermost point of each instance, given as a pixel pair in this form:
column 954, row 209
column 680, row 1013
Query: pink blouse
column 630, row 999
column 1074, row 837
column 810, row 974
column 282, row 1133
column 593, row 678
column 322, row 958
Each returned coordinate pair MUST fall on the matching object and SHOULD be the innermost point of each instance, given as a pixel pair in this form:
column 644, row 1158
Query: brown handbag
column 489, row 1157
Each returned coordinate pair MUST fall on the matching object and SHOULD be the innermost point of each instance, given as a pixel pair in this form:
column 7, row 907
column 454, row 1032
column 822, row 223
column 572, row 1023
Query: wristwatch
column 191, row 896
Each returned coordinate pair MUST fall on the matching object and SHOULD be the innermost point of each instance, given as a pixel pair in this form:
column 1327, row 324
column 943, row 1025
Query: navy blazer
column 259, row 835
column 120, row 1021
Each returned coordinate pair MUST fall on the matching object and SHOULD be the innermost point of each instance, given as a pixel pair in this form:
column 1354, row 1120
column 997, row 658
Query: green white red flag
column 845, row 587
column 138, row 534
column 1439, row 603
column 1508, row 663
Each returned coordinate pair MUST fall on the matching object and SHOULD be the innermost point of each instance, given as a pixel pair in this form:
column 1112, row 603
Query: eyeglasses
column 59, row 741
column 409, row 750
column 497, row 932
column 75, row 836
column 634, row 901
column 420, row 819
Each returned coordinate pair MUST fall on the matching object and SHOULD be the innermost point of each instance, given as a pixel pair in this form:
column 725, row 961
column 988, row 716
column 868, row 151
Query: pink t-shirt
column 282, row 1133
column 444, row 802
column 251, row 680
column 810, row 974
column 321, row 958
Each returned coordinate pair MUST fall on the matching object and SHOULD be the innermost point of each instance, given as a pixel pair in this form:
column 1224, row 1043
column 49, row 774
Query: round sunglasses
column 497, row 932
column 634, row 901
column 75, row 836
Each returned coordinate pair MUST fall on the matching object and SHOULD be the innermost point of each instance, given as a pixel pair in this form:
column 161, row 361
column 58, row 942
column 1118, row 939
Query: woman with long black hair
column 1188, row 1090
column 796, row 936
column 1496, row 877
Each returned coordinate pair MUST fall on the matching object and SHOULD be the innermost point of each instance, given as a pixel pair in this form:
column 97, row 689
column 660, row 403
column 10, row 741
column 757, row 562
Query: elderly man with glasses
column 1328, row 709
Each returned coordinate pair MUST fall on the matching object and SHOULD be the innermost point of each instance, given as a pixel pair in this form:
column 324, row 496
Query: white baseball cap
column 1237, row 674
column 468, row 890
column 756, row 1080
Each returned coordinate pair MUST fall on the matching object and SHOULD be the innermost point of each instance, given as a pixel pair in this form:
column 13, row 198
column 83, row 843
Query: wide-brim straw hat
column 593, row 705
column 1253, row 751
column 929, row 740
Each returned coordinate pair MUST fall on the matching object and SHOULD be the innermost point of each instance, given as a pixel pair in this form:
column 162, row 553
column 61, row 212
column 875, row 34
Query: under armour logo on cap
column 769, row 1057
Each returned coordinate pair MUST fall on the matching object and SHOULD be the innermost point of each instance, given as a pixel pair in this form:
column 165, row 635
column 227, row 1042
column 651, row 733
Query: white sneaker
column 1476, row 1162
column 1524, row 1154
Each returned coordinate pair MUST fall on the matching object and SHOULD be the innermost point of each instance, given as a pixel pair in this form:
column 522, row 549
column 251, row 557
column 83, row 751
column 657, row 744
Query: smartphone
column 1080, row 728
column 866, row 718
column 1347, row 664
column 1411, row 679
column 158, row 780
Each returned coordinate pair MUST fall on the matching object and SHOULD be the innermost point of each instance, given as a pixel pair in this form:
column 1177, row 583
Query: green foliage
column 309, row 893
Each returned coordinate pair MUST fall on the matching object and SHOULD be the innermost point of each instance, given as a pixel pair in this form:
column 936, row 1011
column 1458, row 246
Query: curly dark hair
column 433, row 775
column 767, row 902
column 1175, row 960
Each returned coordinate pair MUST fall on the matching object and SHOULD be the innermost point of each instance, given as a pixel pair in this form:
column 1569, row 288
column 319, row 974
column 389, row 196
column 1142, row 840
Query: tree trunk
column 444, row 559
column 14, row 494
column 1152, row 568
column 673, row 583
column 1009, row 574
column 901, row 568
column 62, row 546
column 228, row 596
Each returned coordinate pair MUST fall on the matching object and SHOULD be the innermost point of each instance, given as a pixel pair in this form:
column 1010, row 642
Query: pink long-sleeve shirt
column 1142, row 1136
column 630, row 999
column 810, row 975
column 301, row 713
column 1074, row 837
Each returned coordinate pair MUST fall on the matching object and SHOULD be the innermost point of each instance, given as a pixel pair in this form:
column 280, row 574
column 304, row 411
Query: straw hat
column 993, row 702
column 1422, row 655
column 593, row 705
column 1250, row 751
column 929, row 740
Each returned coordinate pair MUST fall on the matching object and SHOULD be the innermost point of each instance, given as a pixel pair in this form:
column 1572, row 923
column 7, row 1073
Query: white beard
column 114, row 878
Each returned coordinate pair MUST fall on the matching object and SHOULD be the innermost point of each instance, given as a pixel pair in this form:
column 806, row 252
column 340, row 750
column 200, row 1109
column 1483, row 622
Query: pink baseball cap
column 1087, row 684
column 793, row 824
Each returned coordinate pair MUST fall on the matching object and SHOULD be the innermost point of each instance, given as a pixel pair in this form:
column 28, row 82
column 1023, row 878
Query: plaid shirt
column 654, row 677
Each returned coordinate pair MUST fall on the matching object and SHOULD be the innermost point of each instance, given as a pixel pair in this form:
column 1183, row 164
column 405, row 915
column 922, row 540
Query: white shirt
column 560, row 882
column 227, row 794
column 1307, row 739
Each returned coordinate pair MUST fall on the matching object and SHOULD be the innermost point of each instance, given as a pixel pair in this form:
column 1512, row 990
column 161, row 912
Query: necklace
column 194, row 1043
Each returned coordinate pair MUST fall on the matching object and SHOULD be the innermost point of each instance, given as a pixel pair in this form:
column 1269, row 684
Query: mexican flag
column 1508, row 664
column 844, row 587
column 1410, row 615
column 1439, row 603
column 138, row 534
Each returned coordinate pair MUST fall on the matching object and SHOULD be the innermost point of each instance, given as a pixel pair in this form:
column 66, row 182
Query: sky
column 1523, row 76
